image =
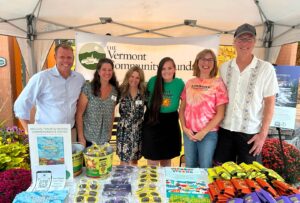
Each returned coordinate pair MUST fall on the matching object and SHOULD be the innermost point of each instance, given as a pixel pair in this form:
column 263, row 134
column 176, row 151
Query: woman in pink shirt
column 202, row 109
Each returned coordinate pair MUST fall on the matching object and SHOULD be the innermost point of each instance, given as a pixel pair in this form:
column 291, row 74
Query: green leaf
column 16, row 160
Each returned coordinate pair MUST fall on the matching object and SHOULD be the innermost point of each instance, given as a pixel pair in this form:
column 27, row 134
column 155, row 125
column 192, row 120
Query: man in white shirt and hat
column 252, row 86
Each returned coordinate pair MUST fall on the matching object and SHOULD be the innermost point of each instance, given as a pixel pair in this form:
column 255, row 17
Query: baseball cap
column 245, row 28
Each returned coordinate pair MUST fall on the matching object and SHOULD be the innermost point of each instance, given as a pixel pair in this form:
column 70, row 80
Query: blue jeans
column 200, row 153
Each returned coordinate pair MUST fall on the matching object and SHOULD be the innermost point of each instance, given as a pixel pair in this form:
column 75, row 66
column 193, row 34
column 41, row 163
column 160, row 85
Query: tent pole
column 268, row 39
column 31, row 37
column 24, row 72
column 268, row 31
column 289, row 30
column 261, row 12
column 2, row 20
column 136, row 28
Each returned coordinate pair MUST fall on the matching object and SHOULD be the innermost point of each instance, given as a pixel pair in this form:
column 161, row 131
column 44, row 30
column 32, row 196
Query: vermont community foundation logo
column 90, row 54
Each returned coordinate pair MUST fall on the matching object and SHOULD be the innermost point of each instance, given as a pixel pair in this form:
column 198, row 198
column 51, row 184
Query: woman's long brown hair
column 157, row 96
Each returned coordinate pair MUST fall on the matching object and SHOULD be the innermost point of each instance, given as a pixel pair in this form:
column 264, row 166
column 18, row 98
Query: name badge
column 113, row 97
column 138, row 102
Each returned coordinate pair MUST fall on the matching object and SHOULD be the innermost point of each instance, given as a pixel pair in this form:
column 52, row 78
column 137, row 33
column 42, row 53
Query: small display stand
column 50, row 156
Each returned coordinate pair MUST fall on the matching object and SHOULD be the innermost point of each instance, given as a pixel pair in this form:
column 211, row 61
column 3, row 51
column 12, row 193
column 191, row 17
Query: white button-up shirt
column 54, row 97
column 246, row 91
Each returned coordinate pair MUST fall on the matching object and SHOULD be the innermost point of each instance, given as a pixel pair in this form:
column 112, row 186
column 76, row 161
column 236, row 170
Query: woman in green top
column 96, row 105
column 161, row 137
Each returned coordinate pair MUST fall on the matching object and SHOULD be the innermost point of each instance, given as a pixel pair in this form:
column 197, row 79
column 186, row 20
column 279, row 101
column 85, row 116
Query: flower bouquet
column 272, row 158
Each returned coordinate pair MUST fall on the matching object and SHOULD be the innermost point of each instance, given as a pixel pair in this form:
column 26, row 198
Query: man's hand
column 258, row 141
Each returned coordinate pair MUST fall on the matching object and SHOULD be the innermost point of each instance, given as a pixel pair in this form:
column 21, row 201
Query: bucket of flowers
column 272, row 158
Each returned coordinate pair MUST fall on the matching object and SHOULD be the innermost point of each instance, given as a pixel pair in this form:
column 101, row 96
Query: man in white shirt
column 54, row 92
column 252, row 86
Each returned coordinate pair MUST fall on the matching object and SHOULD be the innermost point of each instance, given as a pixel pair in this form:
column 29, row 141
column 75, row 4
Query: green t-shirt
column 171, row 94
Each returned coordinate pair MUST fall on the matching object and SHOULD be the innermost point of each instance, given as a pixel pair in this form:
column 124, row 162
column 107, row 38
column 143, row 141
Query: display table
column 180, row 181
column 131, row 198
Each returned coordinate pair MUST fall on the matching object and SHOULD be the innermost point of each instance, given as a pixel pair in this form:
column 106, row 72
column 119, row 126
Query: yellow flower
column 8, row 140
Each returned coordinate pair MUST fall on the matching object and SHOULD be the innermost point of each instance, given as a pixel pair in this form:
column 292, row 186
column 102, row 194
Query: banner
column 286, row 99
column 144, row 52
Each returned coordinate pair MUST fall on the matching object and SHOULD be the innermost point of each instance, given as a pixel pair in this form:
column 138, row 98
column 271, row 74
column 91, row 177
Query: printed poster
column 51, row 148
column 286, row 99
column 187, row 185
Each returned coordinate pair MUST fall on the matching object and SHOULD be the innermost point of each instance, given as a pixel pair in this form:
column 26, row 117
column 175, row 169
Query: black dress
column 162, row 140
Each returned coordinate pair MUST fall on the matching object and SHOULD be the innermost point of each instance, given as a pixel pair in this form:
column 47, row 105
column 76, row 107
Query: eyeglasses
column 151, row 186
column 246, row 39
column 92, row 186
column 143, row 180
column 120, row 181
column 209, row 60
column 149, row 197
column 146, row 172
column 117, row 200
column 149, row 167
column 120, row 174
column 151, row 175
column 153, row 199
column 82, row 199
column 87, row 193
column 111, row 190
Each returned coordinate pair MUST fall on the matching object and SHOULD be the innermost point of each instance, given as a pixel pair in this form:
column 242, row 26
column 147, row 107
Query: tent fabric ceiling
column 58, row 19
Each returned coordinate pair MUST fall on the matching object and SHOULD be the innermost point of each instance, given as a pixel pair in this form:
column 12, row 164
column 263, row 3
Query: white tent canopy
column 37, row 23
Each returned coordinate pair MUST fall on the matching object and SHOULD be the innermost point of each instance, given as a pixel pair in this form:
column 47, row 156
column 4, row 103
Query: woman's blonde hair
column 200, row 55
column 124, row 88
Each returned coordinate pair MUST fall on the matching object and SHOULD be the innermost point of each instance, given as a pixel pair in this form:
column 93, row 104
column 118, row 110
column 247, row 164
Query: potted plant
column 14, row 148
column 15, row 175
column 273, row 159
column 12, row 182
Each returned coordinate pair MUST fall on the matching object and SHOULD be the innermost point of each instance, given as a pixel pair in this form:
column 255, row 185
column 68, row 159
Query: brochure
column 50, row 156
column 187, row 185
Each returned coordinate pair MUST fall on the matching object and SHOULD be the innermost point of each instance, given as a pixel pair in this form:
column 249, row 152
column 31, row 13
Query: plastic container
column 77, row 158
column 99, row 165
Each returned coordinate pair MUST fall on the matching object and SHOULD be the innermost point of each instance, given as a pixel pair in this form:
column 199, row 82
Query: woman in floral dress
column 131, row 110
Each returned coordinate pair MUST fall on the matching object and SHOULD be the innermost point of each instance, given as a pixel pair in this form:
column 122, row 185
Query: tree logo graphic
column 90, row 54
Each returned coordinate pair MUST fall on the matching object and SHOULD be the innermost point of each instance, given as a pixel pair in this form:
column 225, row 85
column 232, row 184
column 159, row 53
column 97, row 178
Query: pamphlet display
column 50, row 156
